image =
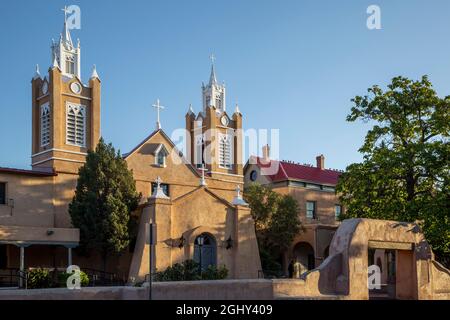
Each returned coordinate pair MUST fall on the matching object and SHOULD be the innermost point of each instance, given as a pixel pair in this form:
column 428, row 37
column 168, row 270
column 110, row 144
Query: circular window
column 253, row 175
column 75, row 87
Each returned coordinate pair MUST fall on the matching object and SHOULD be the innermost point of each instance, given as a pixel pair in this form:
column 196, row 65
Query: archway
column 304, row 257
column 205, row 251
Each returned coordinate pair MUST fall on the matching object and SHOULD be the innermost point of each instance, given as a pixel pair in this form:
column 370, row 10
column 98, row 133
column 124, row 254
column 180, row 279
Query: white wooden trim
column 56, row 158
column 60, row 150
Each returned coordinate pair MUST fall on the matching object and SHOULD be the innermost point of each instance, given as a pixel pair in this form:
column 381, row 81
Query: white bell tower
column 65, row 55
column 214, row 93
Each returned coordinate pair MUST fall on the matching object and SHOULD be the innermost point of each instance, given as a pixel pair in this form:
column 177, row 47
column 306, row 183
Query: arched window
column 76, row 125
column 205, row 249
column 70, row 65
column 199, row 157
column 225, row 151
column 45, row 125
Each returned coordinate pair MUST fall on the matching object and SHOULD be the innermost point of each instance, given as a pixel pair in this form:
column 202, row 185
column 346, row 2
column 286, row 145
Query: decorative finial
column 159, row 193
column 238, row 201
column 237, row 109
column 213, row 58
column 65, row 13
column 55, row 62
column 37, row 75
column 202, row 180
column 158, row 108
column 94, row 72
column 212, row 77
column 191, row 110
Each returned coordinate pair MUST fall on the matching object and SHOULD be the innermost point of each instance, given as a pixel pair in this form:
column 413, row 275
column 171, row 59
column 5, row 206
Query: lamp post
column 200, row 242
column 152, row 240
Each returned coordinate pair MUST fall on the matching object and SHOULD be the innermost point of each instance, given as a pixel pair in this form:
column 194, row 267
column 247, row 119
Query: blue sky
column 291, row 65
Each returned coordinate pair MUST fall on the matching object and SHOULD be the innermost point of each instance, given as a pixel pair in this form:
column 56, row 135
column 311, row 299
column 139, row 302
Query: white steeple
column 212, row 77
column 37, row 74
column 66, row 55
column 236, row 110
column 191, row 109
column 213, row 92
column 94, row 73
column 65, row 34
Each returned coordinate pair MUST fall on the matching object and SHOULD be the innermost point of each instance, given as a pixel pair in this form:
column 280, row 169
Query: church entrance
column 205, row 251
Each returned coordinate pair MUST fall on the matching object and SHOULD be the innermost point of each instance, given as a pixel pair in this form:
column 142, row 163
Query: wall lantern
column 229, row 243
column 181, row 242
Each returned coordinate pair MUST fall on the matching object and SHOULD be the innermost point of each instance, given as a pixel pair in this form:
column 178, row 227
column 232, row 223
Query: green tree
column 405, row 170
column 276, row 222
column 104, row 198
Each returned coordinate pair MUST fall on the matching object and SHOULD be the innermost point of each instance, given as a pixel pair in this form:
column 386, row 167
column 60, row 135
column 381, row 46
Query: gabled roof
column 158, row 147
column 293, row 171
column 207, row 190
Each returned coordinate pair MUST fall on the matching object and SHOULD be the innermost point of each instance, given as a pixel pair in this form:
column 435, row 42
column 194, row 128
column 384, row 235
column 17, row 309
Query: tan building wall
column 318, row 232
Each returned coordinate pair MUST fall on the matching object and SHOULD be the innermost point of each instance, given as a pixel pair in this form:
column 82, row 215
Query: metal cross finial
column 213, row 58
column 66, row 11
column 158, row 182
column 158, row 108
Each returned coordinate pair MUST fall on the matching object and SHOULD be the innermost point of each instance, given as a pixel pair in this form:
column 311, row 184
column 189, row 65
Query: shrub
column 62, row 279
column 214, row 273
column 189, row 271
column 38, row 278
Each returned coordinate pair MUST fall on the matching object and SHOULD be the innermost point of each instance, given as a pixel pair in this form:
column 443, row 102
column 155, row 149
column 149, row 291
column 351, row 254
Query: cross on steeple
column 66, row 11
column 158, row 108
column 212, row 57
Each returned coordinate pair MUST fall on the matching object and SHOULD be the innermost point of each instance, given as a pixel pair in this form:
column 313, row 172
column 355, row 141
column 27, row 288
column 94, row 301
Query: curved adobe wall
column 415, row 271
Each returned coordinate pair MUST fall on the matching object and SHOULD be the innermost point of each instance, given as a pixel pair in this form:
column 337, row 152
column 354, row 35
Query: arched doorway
column 205, row 251
column 304, row 257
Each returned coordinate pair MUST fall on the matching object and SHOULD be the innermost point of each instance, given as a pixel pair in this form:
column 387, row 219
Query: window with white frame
column 76, row 125
column 161, row 159
column 225, row 150
column 70, row 64
column 160, row 156
column 311, row 209
column 45, row 125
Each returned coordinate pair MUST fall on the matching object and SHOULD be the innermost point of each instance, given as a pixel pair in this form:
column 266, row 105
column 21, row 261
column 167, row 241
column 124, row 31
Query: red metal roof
column 40, row 173
column 294, row 171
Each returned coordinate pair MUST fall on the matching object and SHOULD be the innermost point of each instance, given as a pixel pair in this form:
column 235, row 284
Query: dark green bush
column 38, row 278
column 214, row 273
column 62, row 279
column 189, row 271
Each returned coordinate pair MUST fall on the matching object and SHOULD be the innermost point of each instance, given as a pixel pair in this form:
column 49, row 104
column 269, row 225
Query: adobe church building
column 194, row 200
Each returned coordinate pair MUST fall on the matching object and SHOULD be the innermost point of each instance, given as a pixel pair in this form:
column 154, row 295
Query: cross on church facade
column 158, row 107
